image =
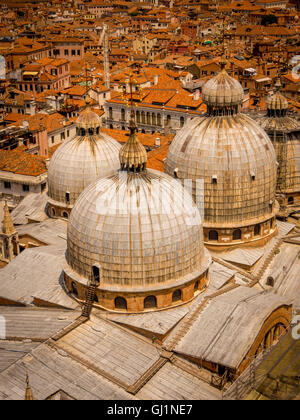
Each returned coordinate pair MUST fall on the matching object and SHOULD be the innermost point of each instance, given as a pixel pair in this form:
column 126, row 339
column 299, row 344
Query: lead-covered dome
column 80, row 161
column 144, row 233
column 232, row 163
column 222, row 91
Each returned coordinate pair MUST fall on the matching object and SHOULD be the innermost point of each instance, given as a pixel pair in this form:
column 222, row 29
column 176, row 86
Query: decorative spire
column 133, row 155
column 28, row 392
column 7, row 225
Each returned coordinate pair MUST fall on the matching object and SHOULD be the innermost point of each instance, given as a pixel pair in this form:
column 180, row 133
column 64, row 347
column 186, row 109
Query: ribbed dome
column 80, row 161
column 222, row 90
column 139, row 228
column 237, row 162
column 277, row 102
column 88, row 119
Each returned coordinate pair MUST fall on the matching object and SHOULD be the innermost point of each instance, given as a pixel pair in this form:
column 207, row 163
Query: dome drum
column 136, row 300
column 253, row 235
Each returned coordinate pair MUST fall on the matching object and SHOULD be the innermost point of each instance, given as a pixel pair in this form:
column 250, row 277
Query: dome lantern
column 222, row 94
column 277, row 104
column 133, row 155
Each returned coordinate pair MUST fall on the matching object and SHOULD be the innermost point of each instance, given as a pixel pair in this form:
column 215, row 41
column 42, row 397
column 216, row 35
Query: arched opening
column 65, row 215
column 150, row 302
column 96, row 274
column 120, row 303
column 237, row 234
column 74, row 289
column 291, row 200
column 196, row 286
column 256, row 230
column 213, row 235
column 177, row 295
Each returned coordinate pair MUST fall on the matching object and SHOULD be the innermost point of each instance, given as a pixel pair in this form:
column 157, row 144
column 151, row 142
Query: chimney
column 157, row 142
column 155, row 77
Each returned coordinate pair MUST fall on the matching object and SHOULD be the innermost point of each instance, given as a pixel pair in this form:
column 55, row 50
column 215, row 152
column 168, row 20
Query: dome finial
column 133, row 155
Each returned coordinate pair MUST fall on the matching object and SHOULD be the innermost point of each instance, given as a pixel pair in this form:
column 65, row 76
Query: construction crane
column 104, row 41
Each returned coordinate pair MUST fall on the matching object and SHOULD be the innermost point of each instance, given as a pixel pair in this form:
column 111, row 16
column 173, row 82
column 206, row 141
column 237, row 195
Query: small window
column 213, row 235
column 214, row 179
column 120, row 303
column 177, row 296
column 65, row 215
column 74, row 289
column 150, row 302
column 96, row 273
column 237, row 234
column 7, row 185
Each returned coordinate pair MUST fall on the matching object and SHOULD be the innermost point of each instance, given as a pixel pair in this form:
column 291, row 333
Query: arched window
column 177, row 295
column 291, row 200
column 91, row 131
column 65, row 215
column 213, row 235
column 150, row 302
column 67, row 197
column 74, row 289
column 237, row 234
column 256, row 230
column 196, row 286
column 120, row 303
column 53, row 212
column 181, row 121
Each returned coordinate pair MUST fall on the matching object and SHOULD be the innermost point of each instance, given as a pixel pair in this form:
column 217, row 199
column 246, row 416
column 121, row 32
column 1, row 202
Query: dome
column 143, row 232
column 80, row 161
column 88, row 119
column 277, row 102
column 136, row 242
column 232, row 165
column 222, row 91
